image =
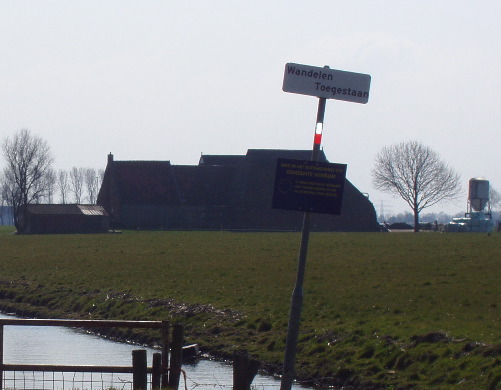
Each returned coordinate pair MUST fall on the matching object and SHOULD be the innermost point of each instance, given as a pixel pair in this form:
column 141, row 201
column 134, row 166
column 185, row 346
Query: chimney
column 110, row 158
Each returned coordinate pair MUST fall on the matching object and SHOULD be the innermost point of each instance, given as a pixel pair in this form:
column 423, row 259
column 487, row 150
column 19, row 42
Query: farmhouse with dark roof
column 229, row 192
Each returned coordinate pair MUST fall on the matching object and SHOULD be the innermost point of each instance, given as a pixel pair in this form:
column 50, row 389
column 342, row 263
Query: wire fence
column 35, row 380
column 66, row 380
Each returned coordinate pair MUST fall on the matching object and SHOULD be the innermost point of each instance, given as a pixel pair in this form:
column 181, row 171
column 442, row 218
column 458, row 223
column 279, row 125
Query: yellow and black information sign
column 309, row 186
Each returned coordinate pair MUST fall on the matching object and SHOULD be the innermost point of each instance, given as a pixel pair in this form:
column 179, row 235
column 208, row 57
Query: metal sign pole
column 297, row 294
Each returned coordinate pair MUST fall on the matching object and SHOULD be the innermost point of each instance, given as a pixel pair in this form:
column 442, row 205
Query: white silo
column 478, row 194
column 478, row 218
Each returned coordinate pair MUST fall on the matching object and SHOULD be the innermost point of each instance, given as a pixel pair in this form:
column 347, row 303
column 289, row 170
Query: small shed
column 63, row 218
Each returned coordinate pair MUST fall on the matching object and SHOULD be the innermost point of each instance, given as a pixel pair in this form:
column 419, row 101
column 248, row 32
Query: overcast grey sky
column 169, row 80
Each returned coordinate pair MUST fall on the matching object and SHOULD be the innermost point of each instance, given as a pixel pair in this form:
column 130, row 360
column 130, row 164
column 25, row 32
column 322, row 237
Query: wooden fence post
column 165, row 353
column 1, row 357
column 176, row 356
column 156, row 374
column 244, row 370
column 140, row 370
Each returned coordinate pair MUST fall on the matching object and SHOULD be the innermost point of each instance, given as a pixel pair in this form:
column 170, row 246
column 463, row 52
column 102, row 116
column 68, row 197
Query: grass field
column 388, row 311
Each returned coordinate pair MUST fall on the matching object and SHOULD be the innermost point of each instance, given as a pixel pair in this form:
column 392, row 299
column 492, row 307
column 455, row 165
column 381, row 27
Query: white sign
column 327, row 83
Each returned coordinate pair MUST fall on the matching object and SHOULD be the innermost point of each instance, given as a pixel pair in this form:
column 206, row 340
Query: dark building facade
column 229, row 192
column 63, row 218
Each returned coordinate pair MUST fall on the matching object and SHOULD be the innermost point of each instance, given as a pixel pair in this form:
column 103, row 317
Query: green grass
column 395, row 310
column 7, row 229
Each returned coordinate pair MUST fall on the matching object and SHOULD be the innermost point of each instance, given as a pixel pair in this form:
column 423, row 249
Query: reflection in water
column 65, row 346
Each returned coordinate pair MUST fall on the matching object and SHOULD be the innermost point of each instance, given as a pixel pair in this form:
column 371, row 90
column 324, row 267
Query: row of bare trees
column 78, row 185
column 30, row 178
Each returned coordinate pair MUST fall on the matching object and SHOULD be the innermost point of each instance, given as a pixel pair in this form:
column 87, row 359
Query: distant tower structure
column 478, row 217
column 478, row 196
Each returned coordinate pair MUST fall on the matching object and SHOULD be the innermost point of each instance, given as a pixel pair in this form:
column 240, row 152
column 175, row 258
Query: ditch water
column 65, row 346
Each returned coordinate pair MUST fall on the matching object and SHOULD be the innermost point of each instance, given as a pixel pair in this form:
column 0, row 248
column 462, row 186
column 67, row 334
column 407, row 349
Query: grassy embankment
column 389, row 311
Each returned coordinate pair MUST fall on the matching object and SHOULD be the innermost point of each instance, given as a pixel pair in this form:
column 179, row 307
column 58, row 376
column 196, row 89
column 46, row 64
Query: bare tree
column 100, row 173
column 92, row 183
column 3, row 200
column 416, row 174
column 8, row 190
column 495, row 198
column 29, row 159
column 50, row 183
column 77, row 178
column 63, row 185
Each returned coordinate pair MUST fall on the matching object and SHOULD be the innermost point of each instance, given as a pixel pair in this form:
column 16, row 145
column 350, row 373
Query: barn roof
column 66, row 209
column 149, row 182
column 203, row 185
column 273, row 154
column 217, row 179
column 222, row 160
column 257, row 155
